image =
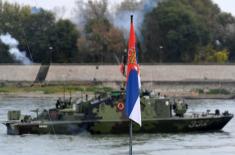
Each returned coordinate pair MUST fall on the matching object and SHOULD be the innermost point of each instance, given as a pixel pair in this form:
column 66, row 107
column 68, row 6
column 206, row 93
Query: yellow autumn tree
column 211, row 55
column 220, row 56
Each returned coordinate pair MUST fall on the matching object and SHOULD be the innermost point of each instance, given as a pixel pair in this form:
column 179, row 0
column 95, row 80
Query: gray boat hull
column 169, row 125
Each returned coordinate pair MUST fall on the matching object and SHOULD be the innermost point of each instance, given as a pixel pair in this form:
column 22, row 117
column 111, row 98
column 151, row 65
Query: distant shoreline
column 78, row 94
column 218, row 97
column 56, row 91
column 31, row 95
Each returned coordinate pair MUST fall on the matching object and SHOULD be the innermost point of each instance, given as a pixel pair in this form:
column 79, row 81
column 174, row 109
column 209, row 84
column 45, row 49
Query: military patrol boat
column 104, row 114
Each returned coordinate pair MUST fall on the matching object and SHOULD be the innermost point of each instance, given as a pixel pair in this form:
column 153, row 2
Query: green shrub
column 218, row 91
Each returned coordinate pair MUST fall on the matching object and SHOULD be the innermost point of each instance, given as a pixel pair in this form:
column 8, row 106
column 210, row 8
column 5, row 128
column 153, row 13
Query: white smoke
column 12, row 43
column 121, row 17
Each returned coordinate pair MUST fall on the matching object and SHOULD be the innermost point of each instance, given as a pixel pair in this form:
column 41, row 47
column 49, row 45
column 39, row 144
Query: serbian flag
column 133, row 80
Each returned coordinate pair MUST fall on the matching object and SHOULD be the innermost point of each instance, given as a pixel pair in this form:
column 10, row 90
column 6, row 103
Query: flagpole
column 130, row 137
column 130, row 121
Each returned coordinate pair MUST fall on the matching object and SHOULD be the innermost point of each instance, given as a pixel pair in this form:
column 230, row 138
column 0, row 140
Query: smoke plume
column 12, row 43
column 122, row 16
column 119, row 16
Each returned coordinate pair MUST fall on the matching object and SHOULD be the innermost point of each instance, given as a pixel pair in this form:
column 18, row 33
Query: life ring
column 120, row 106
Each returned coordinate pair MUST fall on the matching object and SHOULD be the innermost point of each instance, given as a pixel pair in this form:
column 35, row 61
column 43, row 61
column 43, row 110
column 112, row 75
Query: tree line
column 172, row 31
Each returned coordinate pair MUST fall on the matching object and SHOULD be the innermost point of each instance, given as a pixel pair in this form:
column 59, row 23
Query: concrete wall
column 111, row 73
column 161, row 73
column 188, row 73
column 84, row 73
column 171, row 80
column 15, row 73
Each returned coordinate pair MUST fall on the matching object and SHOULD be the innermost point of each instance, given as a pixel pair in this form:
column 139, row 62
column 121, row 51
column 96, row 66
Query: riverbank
column 184, row 80
column 50, row 91
column 55, row 91
column 209, row 96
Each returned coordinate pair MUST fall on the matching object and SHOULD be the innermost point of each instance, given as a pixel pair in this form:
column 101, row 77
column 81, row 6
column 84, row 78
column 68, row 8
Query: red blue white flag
column 133, row 80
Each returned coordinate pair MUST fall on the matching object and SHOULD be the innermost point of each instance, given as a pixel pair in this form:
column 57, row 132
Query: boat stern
column 11, row 128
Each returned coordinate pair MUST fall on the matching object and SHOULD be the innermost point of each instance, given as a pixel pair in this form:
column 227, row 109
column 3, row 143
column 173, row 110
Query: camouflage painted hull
column 169, row 125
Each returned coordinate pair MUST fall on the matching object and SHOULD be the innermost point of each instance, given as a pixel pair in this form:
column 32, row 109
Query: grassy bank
column 58, row 90
column 214, row 91
column 52, row 89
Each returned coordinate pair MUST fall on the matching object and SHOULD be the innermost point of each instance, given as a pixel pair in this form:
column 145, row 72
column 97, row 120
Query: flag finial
column 131, row 18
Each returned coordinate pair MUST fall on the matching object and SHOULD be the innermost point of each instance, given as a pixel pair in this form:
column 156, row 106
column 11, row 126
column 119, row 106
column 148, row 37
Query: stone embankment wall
column 165, row 78
column 105, row 73
column 18, row 73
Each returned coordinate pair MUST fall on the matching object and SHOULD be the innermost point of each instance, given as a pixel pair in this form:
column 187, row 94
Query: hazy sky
column 52, row 4
column 225, row 5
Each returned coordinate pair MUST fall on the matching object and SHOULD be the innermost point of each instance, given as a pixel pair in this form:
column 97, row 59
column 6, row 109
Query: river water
column 215, row 143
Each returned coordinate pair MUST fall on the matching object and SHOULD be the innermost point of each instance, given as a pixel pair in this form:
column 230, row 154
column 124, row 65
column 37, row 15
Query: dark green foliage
column 219, row 91
column 5, row 56
column 101, row 41
column 183, row 28
column 230, row 43
column 200, row 91
column 42, row 37
column 38, row 32
column 174, row 31
column 179, row 31
column 63, row 42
